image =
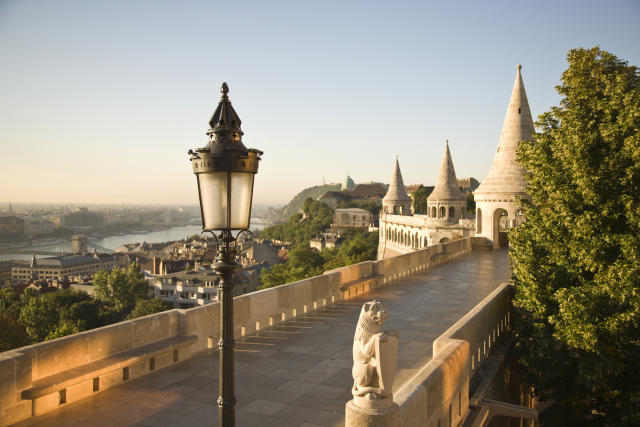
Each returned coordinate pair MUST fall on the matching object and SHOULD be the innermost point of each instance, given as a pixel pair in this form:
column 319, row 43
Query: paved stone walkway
column 297, row 373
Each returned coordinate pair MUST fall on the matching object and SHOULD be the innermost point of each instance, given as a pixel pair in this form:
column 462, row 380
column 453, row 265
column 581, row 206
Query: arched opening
column 434, row 212
column 500, row 228
column 443, row 212
column 444, row 240
column 452, row 212
column 425, row 243
column 478, row 221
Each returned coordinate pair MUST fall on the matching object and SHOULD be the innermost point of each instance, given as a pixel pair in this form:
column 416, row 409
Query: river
column 114, row 242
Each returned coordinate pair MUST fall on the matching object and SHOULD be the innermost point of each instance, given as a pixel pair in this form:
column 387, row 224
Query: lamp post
column 224, row 171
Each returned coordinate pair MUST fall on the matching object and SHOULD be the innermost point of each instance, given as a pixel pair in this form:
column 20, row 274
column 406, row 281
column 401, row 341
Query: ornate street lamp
column 224, row 170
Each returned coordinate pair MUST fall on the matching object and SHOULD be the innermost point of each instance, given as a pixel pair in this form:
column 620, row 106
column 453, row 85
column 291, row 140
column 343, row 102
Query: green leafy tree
column 13, row 334
column 39, row 316
column 121, row 288
column 87, row 314
column 319, row 216
column 471, row 204
column 63, row 328
column 9, row 302
column 420, row 200
column 145, row 307
column 576, row 260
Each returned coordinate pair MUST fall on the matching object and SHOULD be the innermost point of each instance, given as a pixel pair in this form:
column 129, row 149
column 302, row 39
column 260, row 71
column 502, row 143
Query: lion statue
column 366, row 362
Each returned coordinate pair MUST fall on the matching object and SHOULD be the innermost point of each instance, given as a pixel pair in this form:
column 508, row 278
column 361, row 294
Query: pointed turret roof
column 396, row 191
column 506, row 174
column 225, row 116
column 447, row 183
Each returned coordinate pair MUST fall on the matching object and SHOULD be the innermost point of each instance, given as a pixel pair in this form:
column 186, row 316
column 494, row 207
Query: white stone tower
column 496, row 207
column 446, row 203
column 396, row 201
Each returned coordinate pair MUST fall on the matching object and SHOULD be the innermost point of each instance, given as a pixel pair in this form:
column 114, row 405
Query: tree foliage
column 121, row 288
column 13, row 333
column 471, row 204
column 576, row 260
column 420, row 200
column 319, row 216
column 145, row 307
column 305, row 262
column 33, row 318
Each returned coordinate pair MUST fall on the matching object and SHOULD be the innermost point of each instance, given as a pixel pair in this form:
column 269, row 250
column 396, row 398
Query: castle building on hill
column 446, row 219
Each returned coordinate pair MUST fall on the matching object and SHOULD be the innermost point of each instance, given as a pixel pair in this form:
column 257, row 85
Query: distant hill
column 314, row 192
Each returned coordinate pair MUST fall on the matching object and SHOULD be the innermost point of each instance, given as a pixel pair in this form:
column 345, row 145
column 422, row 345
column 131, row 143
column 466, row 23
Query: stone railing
column 438, row 395
column 41, row 377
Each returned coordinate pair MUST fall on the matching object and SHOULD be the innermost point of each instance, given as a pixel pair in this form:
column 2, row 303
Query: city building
column 83, row 219
column 60, row 267
column 11, row 228
column 186, row 289
column 327, row 240
column 351, row 218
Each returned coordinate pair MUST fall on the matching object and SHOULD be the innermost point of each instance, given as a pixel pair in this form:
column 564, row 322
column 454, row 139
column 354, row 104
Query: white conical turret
column 496, row 197
column 446, row 202
column 396, row 201
column 447, row 184
column 506, row 174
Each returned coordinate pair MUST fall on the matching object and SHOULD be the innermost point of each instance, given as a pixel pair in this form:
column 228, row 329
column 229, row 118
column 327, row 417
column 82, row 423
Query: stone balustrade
column 438, row 395
column 41, row 377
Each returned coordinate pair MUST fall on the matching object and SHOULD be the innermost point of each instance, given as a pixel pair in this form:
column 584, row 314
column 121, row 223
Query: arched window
column 443, row 212
column 452, row 212
column 434, row 213
column 478, row 221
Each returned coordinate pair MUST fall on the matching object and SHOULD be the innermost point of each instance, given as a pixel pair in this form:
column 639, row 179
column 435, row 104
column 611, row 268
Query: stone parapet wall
column 482, row 326
column 21, row 368
column 438, row 395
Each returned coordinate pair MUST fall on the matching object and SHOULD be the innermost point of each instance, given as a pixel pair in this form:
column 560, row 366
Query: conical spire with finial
column 447, row 184
column 225, row 117
column 396, row 191
column 506, row 174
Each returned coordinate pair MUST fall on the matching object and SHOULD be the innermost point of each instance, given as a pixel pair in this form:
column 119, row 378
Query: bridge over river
column 298, row 372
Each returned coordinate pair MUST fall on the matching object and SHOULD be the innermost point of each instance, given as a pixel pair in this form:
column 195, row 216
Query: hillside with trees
column 305, row 262
column 298, row 200
column 576, row 259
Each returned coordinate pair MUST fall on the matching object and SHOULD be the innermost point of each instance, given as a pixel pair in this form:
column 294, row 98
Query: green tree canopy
column 420, row 200
column 358, row 246
column 576, row 260
column 121, row 288
column 319, row 216
column 13, row 334
column 145, row 307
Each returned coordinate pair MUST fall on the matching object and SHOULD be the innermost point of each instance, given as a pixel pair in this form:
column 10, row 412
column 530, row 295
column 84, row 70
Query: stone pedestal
column 356, row 416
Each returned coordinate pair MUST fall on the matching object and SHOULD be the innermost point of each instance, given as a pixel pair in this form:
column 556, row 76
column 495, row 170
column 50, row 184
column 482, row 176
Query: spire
column 225, row 117
column 506, row 174
column 447, row 183
column 396, row 190
column 33, row 260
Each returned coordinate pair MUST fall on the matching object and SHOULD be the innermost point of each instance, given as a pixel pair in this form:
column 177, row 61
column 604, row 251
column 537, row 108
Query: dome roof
column 349, row 184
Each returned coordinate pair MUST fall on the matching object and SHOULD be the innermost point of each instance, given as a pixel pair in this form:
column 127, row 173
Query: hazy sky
column 101, row 100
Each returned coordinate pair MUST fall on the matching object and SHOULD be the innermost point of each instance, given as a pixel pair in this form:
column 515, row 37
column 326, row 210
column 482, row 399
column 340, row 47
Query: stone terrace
column 297, row 373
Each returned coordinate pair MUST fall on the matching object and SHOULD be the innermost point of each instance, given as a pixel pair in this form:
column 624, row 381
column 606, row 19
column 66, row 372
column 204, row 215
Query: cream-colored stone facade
column 496, row 197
